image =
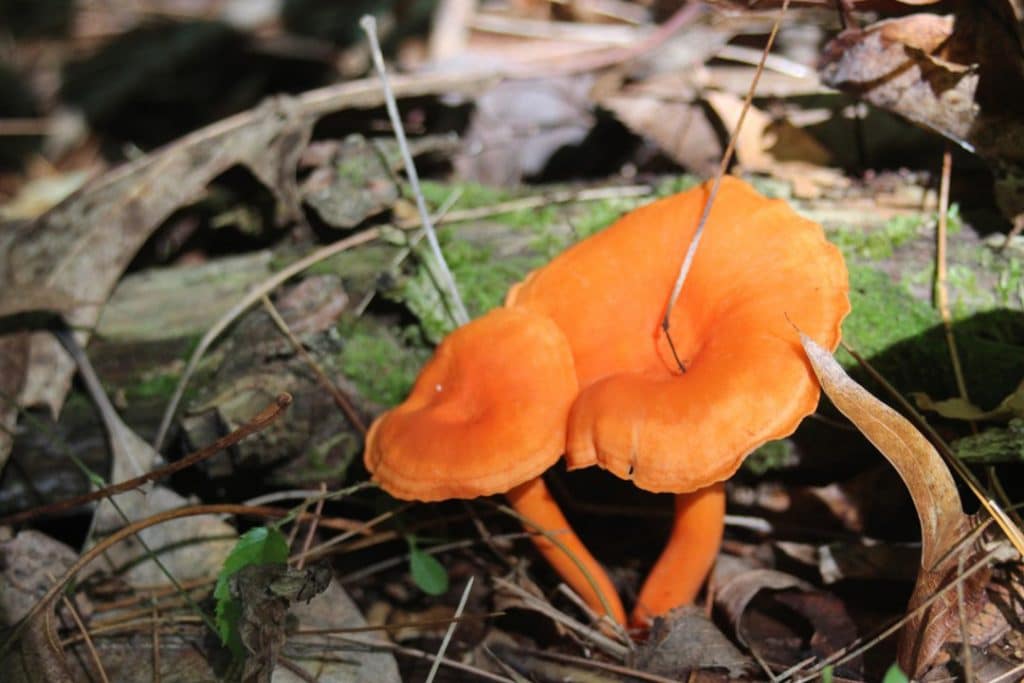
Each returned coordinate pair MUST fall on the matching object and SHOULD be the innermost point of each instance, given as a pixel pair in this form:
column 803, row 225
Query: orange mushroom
column 760, row 271
column 488, row 415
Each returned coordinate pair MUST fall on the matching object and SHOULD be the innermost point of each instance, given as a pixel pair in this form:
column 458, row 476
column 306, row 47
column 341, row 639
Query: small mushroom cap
column 760, row 272
column 488, row 412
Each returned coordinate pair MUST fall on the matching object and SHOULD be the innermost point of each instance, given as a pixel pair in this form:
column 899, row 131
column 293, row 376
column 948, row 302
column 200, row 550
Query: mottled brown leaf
column 937, row 503
column 917, row 462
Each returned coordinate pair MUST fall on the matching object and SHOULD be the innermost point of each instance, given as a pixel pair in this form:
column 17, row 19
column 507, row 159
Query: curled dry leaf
column 917, row 462
column 950, row 74
column 935, row 498
column 686, row 640
column 737, row 584
column 69, row 259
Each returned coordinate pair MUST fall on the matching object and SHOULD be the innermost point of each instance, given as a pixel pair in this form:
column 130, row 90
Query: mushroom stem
column 688, row 556
column 564, row 550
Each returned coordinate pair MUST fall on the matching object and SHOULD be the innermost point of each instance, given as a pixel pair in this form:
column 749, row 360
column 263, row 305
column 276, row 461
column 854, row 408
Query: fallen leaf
column 738, row 584
column 686, row 640
column 517, row 126
column 332, row 657
column 962, row 409
column 28, row 563
column 680, row 129
column 777, row 148
column 935, row 498
column 265, row 592
column 950, row 74
column 69, row 259
column 358, row 179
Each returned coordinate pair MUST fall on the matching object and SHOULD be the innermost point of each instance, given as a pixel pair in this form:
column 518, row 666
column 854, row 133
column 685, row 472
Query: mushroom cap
column 487, row 412
column 760, row 272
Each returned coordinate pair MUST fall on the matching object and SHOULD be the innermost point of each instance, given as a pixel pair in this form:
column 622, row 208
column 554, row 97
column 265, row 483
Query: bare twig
column 46, row 601
column 691, row 251
column 260, row 421
column 155, row 623
column 451, row 290
column 265, row 287
column 941, row 288
column 340, row 399
column 85, row 638
column 450, row 632
column 611, row 647
column 311, row 531
column 412, row 652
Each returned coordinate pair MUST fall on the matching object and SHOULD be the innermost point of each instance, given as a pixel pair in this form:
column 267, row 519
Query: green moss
column 382, row 367
column 156, row 386
column 599, row 215
column 1009, row 288
column 483, row 280
column 877, row 244
column 771, row 457
column 884, row 313
column 675, row 184
column 471, row 195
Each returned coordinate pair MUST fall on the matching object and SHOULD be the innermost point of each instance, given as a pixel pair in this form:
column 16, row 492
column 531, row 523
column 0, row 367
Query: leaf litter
column 754, row 616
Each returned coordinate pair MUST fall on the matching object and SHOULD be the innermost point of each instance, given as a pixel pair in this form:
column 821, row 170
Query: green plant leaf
column 261, row 545
column 428, row 574
column 895, row 675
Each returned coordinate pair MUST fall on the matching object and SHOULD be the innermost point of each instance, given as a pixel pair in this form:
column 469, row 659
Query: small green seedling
column 428, row 574
column 895, row 675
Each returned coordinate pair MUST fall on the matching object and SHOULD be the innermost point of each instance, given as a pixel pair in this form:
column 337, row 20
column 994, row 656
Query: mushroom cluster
column 577, row 364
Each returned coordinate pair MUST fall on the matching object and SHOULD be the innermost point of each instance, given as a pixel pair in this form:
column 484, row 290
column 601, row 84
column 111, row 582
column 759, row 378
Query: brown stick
column 257, row 423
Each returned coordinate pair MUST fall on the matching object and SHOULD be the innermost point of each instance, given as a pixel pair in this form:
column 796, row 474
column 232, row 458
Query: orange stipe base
column 533, row 501
column 688, row 556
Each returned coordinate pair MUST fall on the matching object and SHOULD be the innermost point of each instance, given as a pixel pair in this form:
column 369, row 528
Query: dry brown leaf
column 70, row 258
column 917, row 462
column 935, row 498
column 950, row 74
column 686, row 640
column 777, row 148
column 680, row 129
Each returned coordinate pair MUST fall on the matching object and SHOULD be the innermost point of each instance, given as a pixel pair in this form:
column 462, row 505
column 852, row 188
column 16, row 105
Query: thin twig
column 553, row 538
column 450, row 632
column 340, row 399
column 101, row 547
column 961, row 608
column 363, row 528
column 410, row 652
column 611, row 647
column 265, row 287
column 85, row 637
column 377, row 567
column 155, row 623
column 941, row 288
column 1010, row 675
column 260, row 421
column 311, row 531
column 596, row 664
column 450, row 291
column 691, row 251
column 845, row 654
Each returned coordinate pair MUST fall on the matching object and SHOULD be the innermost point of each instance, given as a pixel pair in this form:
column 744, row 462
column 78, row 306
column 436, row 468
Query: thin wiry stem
column 451, row 291
column 691, row 251
column 450, row 632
